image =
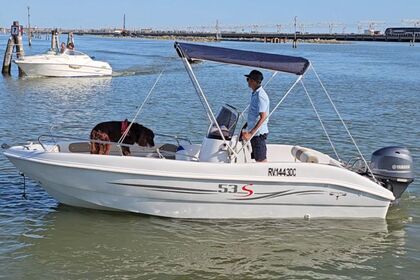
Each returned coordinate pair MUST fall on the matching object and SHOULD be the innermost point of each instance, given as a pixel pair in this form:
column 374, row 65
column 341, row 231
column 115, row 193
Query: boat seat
column 304, row 155
column 79, row 147
column 168, row 150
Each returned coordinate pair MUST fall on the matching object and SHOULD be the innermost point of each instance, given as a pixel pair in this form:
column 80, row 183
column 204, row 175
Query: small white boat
column 70, row 63
column 217, row 179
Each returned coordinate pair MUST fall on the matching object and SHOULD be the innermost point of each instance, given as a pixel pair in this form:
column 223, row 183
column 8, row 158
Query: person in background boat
column 257, row 122
column 70, row 46
column 63, row 47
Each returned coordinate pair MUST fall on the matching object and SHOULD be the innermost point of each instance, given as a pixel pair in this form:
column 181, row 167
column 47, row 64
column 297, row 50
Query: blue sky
column 183, row 13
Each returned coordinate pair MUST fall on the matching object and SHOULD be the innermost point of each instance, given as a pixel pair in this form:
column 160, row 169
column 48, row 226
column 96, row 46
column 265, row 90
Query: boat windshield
column 227, row 119
column 73, row 52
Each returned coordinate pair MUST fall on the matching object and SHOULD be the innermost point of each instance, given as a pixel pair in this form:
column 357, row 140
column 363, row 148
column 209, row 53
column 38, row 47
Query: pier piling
column 29, row 28
column 55, row 42
column 15, row 41
column 20, row 53
column 7, row 60
column 70, row 38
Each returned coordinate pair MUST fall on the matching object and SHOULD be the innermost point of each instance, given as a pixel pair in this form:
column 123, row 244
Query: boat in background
column 70, row 63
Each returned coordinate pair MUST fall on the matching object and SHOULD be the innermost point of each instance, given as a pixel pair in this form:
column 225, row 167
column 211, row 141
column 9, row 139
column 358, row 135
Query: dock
column 251, row 36
column 267, row 37
column 278, row 37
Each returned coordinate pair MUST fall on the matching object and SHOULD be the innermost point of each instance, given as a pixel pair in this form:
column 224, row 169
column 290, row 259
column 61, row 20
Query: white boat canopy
column 289, row 64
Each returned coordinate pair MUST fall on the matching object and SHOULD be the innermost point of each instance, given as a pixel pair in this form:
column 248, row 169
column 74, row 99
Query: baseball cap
column 255, row 75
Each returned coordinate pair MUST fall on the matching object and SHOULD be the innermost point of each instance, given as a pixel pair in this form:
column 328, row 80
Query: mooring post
column 7, row 60
column 14, row 41
column 70, row 38
column 20, row 53
column 295, row 37
column 54, row 40
column 29, row 28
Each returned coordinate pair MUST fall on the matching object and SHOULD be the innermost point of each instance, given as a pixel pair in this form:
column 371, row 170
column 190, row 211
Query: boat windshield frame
column 73, row 53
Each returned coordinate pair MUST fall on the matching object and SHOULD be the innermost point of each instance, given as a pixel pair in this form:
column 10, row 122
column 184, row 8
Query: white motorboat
column 217, row 178
column 70, row 63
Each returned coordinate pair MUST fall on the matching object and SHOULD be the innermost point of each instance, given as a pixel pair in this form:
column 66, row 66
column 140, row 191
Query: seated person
column 62, row 47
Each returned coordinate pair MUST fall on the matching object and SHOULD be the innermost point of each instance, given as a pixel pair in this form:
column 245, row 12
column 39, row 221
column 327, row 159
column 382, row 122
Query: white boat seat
column 304, row 155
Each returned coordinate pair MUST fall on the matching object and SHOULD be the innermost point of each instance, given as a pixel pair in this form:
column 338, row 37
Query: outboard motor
column 213, row 148
column 393, row 167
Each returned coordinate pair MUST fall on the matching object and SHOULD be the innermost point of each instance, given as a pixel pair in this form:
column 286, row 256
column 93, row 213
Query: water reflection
column 58, row 86
column 82, row 243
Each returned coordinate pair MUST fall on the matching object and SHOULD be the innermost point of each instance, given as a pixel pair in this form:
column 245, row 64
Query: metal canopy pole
column 206, row 104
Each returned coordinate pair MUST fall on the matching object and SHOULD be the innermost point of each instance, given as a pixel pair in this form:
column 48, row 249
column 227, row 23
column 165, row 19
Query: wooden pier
column 268, row 37
column 278, row 37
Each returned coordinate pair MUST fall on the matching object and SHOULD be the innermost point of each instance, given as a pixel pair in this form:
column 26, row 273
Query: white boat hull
column 63, row 65
column 63, row 70
column 178, row 189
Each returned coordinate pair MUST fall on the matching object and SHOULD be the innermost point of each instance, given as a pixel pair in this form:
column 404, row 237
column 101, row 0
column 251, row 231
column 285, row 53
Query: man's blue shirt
column 259, row 103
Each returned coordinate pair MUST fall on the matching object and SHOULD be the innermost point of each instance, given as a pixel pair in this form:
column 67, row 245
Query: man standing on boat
column 257, row 122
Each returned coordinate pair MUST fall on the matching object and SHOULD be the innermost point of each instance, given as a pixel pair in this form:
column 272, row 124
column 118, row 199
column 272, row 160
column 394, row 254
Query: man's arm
column 247, row 135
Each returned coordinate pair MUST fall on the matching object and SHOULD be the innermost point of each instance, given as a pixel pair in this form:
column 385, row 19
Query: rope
column 141, row 107
column 320, row 120
column 342, row 121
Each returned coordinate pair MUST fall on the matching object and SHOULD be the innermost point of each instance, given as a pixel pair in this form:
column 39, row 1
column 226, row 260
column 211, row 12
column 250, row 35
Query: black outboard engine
column 393, row 167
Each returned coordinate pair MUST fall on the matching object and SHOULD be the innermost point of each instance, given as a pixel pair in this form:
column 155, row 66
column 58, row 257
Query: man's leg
column 259, row 148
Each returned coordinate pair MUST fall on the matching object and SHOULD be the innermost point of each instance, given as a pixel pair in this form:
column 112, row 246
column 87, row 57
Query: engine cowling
column 393, row 167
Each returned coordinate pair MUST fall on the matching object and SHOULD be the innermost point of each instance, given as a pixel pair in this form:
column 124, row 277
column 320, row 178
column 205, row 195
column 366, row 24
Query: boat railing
column 162, row 153
column 175, row 137
column 357, row 165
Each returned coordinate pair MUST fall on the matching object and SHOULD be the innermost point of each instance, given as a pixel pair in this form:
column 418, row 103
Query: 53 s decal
column 246, row 190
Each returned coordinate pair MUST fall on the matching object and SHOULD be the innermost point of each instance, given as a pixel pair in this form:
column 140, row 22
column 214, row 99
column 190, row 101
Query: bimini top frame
column 278, row 63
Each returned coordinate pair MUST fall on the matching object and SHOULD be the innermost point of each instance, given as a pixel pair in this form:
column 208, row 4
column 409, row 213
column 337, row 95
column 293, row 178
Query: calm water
column 375, row 86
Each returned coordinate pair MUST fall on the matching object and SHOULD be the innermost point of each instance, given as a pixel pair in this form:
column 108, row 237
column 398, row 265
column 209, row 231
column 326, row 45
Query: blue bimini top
column 282, row 63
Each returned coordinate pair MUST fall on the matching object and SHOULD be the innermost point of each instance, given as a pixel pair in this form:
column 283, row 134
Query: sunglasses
column 251, row 79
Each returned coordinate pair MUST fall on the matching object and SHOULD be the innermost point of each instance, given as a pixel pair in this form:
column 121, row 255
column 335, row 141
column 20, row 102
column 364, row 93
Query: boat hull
column 64, row 69
column 138, row 186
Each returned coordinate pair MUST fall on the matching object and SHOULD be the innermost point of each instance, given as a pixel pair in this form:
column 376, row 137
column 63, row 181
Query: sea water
column 375, row 86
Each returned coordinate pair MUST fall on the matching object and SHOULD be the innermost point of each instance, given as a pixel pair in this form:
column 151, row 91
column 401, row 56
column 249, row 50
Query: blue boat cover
column 282, row 63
